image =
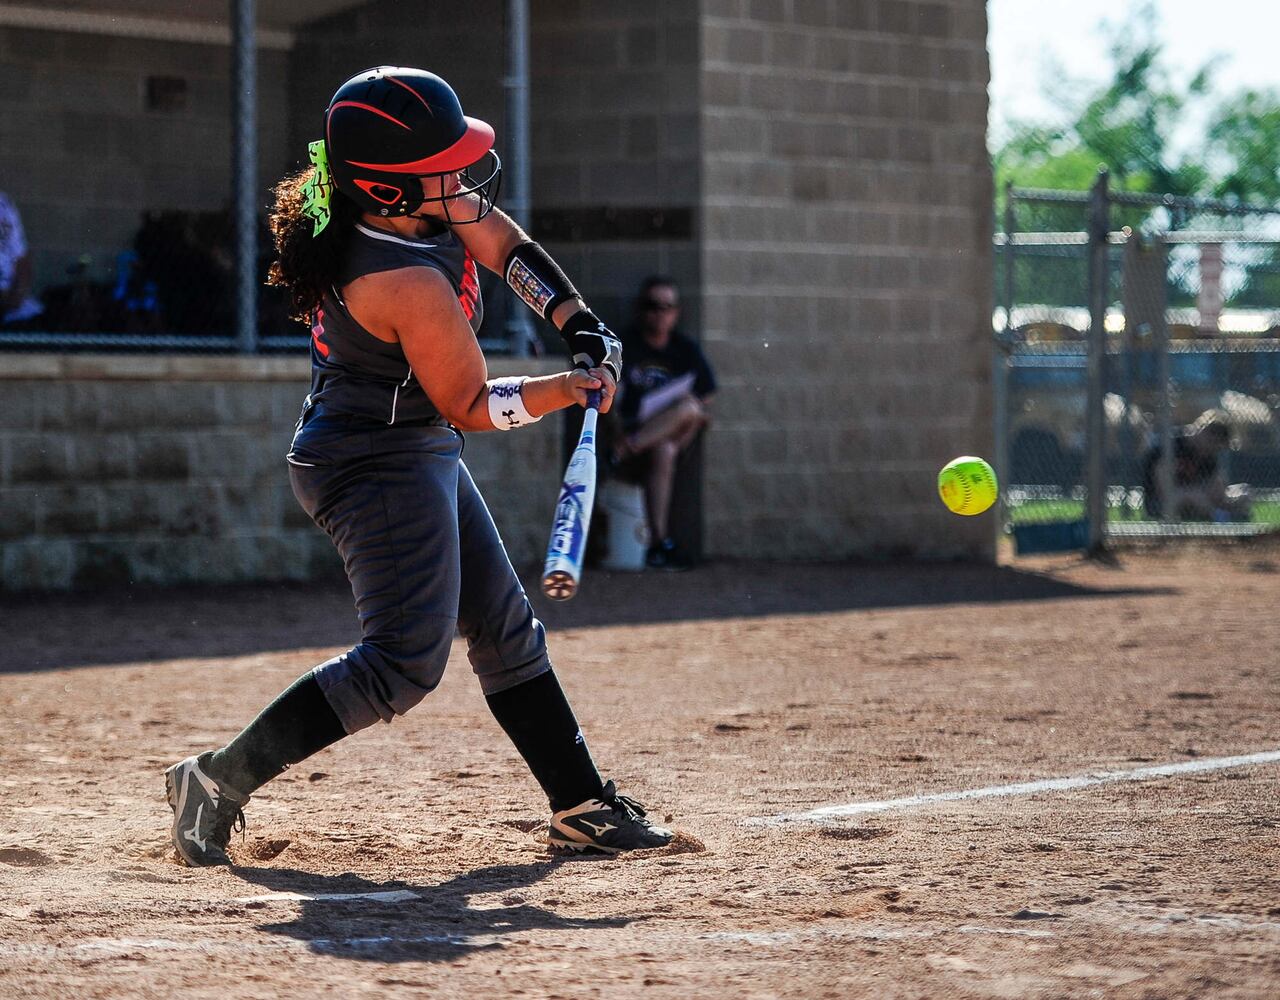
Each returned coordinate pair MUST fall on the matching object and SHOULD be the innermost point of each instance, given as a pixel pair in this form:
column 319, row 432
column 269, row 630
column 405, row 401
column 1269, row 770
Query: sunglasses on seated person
column 654, row 305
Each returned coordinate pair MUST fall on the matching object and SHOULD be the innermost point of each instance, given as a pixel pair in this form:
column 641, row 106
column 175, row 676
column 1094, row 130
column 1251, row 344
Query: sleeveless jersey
column 354, row 372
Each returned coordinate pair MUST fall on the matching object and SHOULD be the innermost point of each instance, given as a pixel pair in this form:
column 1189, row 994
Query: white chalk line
column 107, row 948
column 125, row 947
column 1021, row 788
column 100, row 948
column 389, row 896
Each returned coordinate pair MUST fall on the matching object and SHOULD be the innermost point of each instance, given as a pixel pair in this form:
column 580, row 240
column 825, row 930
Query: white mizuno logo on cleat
column 208, row 784
column 597, row 830
column 191, row 833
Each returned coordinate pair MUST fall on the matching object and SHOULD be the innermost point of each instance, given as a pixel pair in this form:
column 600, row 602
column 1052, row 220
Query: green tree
column 1127, row 125
column 1246, row 133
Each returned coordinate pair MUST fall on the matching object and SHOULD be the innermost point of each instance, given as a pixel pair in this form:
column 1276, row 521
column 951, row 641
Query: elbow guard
column 537, row 279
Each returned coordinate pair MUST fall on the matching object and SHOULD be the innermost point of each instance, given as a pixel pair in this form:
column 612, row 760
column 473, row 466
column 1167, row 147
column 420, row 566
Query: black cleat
column 666, row 556
column 607, row 825
column 204, row 812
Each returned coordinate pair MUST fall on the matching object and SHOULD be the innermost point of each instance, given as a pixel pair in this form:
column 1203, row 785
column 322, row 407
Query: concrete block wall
column 846, row 272
column 397, row 33
column 83, row 158
column 614, row 95
column 120, row 469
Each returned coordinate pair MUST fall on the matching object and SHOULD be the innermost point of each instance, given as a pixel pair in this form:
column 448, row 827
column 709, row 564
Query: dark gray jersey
column 352, row 371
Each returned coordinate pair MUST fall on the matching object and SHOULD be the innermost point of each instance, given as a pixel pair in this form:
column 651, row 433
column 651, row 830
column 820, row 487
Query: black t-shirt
column 646, row 369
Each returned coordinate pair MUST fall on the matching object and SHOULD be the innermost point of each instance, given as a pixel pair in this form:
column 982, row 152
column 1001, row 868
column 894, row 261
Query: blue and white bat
column 563, row 569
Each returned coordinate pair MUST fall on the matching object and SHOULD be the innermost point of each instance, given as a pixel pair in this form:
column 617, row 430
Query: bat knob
column 559, row 585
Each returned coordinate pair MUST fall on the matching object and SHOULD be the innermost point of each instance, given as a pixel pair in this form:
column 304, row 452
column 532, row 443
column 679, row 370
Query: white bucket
column 628, row 532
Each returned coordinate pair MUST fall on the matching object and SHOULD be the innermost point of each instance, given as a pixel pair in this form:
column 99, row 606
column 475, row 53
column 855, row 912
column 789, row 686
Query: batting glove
column 592, row 344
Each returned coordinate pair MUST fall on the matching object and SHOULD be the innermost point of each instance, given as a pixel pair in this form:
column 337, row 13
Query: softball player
column 378, row 242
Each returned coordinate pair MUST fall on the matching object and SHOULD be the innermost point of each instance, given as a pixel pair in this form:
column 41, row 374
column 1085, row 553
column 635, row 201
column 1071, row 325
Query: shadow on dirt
column 732, row 589
column 438, row 926
column 52, row 632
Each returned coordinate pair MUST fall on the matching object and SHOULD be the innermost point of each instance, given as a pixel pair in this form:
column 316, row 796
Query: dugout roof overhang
column 193, row 20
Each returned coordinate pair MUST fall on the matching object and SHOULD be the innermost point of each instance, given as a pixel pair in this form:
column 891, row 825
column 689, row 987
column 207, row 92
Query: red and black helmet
column 390, row 126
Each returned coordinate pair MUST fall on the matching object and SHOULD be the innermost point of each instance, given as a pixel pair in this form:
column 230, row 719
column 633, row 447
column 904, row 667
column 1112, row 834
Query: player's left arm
column 493, row 239
column 498, row 242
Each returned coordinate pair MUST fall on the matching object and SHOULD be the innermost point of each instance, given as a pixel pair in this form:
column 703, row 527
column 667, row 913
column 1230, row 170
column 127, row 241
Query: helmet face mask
column 482, row 179
column 392, row 134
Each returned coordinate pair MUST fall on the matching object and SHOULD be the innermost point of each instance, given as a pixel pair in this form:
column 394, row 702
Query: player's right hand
column 580, row 382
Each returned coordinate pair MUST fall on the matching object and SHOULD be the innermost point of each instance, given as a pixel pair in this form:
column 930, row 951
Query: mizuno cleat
column 607, row 825
column 204, row 812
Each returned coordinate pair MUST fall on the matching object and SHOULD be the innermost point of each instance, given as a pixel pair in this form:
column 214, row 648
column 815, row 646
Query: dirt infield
column 406, row 861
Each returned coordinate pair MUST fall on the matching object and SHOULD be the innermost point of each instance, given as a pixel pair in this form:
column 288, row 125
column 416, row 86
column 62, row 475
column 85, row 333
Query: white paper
column 661, row 398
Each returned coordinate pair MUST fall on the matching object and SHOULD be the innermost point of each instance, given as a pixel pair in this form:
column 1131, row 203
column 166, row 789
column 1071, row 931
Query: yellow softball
column 967, row 485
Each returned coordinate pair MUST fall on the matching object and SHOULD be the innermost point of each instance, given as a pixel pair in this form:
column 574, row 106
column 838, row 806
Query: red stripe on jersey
column 317, row 331
column 469, row 295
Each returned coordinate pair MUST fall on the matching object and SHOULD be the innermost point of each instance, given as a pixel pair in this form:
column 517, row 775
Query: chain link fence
column 139, row 149
column 1137, row 368
column 170, row 284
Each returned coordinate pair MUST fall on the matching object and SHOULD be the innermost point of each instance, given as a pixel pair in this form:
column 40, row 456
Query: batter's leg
column 389, row 503
column 507, row 646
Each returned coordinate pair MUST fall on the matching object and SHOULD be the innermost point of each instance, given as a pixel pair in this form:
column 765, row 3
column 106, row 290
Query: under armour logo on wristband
column 506, row 407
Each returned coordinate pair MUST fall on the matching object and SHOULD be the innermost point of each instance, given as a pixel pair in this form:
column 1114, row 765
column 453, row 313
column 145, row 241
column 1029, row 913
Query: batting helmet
column 390, row 127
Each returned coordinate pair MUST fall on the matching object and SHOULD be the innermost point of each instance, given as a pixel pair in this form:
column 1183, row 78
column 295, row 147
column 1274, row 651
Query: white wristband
column 506, row 405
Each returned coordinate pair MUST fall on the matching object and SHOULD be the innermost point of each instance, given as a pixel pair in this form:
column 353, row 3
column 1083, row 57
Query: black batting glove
column 592, row 344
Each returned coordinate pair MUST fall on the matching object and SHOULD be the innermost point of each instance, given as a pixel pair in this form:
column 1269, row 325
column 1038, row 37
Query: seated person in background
column 666, row 383
column 16, row 302
column 1200, row 490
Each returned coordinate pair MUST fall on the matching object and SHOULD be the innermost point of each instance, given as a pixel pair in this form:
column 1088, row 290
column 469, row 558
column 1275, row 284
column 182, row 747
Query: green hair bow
column 318, row 191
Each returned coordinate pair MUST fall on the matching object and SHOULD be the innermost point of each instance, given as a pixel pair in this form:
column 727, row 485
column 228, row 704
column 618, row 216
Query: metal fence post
column 1096, row 369
column 244, row 156
column 519, row 324
column 1001, row 346
column 1164, row 416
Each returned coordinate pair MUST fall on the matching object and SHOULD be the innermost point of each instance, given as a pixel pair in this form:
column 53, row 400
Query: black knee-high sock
column 537, row 717
column 297, row 724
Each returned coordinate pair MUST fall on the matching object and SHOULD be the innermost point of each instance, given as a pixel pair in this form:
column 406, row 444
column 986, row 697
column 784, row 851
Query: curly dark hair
column 305, row 265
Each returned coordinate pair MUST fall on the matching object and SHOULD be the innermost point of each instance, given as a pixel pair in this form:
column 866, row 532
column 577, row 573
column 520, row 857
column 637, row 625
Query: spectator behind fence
column 666, row 383
column 17, row 305
column 1200, row 490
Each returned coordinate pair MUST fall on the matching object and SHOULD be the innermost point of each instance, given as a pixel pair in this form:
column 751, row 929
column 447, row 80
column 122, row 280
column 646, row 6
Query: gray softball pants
column 423, row 557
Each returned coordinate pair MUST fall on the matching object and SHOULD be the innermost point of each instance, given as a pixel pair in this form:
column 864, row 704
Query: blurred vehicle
column 1048, row 390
